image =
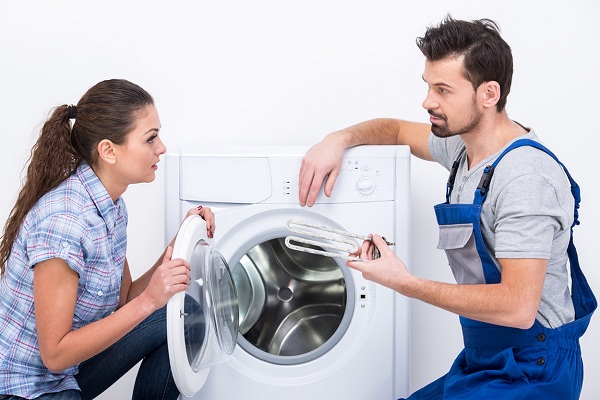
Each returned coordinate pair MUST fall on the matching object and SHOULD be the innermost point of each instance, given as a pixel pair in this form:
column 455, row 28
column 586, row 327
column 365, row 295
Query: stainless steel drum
column 294, row 306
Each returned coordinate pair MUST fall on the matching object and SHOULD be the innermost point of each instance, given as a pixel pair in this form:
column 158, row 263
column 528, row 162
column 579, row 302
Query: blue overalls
column 509, row 363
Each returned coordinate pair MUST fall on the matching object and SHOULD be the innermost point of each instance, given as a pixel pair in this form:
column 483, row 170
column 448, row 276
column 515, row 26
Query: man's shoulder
column 532, row 170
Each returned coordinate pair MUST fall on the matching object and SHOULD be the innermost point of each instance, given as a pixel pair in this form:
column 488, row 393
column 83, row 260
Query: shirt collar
column 109, row 210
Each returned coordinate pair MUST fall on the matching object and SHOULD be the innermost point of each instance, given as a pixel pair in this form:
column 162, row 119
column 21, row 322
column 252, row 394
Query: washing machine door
column 202, row 323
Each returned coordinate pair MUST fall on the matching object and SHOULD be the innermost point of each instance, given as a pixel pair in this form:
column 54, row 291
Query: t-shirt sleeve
column 528, row 216
column 57, row 236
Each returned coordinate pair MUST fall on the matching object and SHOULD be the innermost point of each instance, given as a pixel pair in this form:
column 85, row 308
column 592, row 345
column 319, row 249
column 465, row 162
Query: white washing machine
column 307, row 326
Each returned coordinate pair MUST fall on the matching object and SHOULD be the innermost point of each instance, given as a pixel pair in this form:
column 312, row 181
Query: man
column 505, row 226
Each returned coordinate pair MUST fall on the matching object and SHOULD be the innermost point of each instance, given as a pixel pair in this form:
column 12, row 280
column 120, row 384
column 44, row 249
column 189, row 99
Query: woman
column 72, row 320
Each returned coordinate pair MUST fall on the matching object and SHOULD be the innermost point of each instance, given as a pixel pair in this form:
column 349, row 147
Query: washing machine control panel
column 365, row 174
column 360, row 179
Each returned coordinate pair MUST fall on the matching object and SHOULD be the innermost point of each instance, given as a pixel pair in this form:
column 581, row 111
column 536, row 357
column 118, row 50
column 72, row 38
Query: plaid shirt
column 79, row 223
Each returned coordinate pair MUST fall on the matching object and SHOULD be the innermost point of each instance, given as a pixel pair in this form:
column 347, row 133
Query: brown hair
column 108, row 110
column 487, row 57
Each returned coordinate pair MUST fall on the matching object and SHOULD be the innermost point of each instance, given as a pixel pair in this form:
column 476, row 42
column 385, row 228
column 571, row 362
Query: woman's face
column 138, row 156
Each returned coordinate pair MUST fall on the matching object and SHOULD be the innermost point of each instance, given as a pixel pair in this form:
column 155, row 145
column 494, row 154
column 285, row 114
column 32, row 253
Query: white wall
column 290, row 72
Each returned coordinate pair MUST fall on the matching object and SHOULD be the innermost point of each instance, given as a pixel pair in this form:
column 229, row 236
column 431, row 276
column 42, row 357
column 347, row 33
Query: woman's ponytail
column 52, row 160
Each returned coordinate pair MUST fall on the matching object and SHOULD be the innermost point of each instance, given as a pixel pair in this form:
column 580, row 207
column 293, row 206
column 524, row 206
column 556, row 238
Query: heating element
column 329, row 238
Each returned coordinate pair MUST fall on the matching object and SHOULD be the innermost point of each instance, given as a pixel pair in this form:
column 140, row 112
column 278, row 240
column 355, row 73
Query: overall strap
column 584, row 300
column 452, row 177
column 488, row 172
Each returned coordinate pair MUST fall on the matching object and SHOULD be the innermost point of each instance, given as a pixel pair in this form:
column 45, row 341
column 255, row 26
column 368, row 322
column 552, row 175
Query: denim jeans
column 64, row 395
column 147, row 342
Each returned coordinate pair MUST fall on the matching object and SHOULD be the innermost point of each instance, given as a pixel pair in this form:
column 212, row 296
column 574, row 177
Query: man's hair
column 487, row 57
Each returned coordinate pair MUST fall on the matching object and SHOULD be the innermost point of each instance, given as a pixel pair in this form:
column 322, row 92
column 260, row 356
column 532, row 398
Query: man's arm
column 323, row 160
column 513, row 302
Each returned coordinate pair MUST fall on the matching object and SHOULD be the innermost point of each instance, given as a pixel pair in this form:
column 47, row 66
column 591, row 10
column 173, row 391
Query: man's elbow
column 525, row 323
column 523, row 318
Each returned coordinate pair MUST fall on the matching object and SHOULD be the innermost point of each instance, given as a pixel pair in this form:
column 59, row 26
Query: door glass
column 211, row 309
column 225, row 303
column 194, row 322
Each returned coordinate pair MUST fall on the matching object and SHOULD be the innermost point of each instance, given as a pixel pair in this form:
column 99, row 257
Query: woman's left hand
column 206, row 215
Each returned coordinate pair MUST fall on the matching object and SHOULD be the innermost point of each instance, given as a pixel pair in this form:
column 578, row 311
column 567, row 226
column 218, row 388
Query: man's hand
column 322, row 162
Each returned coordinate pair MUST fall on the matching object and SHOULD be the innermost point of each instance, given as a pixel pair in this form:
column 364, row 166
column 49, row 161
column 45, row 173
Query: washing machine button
column 366, row 185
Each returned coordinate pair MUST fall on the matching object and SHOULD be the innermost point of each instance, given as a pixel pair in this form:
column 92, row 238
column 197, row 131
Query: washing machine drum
column 202, row 323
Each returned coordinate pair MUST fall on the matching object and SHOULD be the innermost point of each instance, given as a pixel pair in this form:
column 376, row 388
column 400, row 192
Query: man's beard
column 443, row 131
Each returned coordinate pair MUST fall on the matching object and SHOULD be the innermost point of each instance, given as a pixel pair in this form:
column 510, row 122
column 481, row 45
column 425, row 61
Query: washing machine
column 275, row 323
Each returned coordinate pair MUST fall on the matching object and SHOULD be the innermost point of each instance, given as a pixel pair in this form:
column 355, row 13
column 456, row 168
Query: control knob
column 366, row 185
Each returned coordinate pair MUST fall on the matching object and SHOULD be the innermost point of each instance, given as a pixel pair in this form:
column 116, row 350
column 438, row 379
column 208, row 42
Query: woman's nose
column 161, row 148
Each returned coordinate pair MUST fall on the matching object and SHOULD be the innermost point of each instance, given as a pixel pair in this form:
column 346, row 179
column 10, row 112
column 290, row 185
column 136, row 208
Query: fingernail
column 199, row 208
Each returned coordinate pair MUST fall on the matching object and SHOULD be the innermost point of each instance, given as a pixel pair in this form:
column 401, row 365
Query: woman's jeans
column 147, row 342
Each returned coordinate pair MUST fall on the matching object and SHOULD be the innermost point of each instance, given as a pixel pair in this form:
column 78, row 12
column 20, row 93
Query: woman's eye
column 151, row 139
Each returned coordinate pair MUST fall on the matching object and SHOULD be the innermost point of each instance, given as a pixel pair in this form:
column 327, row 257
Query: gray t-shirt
column 527, row 213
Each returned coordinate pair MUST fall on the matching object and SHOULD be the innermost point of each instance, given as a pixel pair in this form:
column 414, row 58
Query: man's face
column 451, row 101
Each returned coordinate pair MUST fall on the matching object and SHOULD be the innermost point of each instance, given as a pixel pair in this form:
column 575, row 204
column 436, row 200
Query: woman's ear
column 490, row 93
column 106, row 151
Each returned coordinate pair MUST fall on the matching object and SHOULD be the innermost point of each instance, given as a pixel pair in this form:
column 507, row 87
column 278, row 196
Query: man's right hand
column 322, row 162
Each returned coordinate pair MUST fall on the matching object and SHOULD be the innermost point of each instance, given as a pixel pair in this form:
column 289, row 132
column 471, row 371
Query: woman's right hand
column 172, row 276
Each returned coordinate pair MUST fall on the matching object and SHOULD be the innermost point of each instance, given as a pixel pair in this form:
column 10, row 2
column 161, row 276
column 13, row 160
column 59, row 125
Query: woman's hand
column 172, row 276
column 206, row 215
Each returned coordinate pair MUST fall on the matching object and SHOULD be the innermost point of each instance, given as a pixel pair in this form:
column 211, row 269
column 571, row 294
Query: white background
column 289, row 72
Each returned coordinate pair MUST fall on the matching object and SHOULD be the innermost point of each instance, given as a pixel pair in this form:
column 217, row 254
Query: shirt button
column 64, row 244
column 541, row 337
column 464, row 179
column 100, row 292
column 541, row 361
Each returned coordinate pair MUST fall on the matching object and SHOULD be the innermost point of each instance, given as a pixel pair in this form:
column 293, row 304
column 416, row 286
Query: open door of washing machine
column 203, row 322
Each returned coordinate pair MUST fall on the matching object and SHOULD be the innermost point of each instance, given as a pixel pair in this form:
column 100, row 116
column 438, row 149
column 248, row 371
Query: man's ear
column 490, row 92
column 107, row 151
